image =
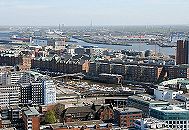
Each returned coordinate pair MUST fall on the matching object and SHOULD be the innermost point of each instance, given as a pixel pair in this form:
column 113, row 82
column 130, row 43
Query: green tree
column 50, row 117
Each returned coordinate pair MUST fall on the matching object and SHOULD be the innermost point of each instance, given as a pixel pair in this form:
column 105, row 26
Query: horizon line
column 94, row 25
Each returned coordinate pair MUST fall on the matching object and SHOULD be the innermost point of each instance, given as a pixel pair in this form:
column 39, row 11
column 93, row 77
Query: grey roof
column 128, row 110
column 147, row 101
column 31, row 111
column 12, row 128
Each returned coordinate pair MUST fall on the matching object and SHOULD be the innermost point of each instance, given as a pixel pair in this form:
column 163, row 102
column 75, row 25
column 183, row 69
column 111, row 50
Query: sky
column 100, row 12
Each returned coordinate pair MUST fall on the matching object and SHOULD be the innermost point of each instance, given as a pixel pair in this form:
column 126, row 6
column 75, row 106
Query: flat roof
column 34, row 73
column 127, row 110
column 82, row 123
column 170, row 109
column 105, row 74
column 12, row 128
column 31, row 111
column 175, row 101
column 77, row 124
column 148, row 101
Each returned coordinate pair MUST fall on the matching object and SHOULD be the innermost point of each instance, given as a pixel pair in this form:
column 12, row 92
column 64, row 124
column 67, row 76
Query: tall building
column 49, row 91
column 42, row 92
column 31, row 93
column 182, row 53
column 9, row 95
column 26, row 87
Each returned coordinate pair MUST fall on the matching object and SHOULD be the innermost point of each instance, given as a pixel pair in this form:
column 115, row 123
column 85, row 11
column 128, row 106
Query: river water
column 135, row 46
column 4, row 35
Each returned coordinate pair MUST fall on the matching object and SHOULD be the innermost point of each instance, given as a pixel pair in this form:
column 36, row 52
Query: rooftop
column 12, row 128
column 147, row 99
column 115, row 75
column 170, row 109
column 77, row 124
column 175, row 101
column 175, row 81
column 34, row 73
column 127, row 110
column 31, row 111
column 82, row 123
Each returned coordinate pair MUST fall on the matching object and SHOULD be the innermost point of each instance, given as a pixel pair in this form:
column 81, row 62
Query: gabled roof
column 83, row 109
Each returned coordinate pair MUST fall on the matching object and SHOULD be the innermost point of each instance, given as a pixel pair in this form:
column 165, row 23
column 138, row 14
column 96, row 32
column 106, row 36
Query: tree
column 50, row 117
column 58, row 108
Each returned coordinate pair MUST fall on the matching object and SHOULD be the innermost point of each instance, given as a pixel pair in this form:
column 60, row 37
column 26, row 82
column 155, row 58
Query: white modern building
column 9, row 95
column 34, row 88
column 150, row 124
column 16, row 77
column 162, row 93
column 49, row 92
column 183, row 83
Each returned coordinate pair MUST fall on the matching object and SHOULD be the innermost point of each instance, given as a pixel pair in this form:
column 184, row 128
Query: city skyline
column 101, row 12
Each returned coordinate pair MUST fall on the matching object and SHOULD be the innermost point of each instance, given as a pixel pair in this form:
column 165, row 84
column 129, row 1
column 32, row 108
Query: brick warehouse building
column 9, row 58
column 56, row 64
column 126, row 116
column 139, row 73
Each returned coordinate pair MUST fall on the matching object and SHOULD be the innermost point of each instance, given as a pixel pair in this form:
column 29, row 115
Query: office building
column 9, row 95
column 175, row 117
column 118, row 69
column 42, row 91
column 166, row 94
column 49, row 91
column 31, row 93
column 173, row 72
column 182, row 53
column 104, row 68
column 9, row 98
column 145, row 103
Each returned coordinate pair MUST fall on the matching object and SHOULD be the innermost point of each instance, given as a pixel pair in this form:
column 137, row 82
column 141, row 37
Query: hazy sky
column 101, row 12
